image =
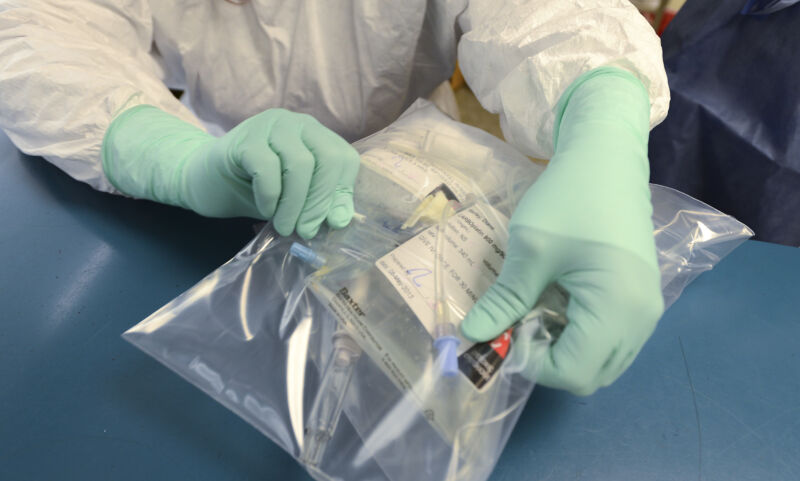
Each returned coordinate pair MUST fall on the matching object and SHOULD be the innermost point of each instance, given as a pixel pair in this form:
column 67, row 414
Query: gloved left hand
column 276, row 165
column 586, row 225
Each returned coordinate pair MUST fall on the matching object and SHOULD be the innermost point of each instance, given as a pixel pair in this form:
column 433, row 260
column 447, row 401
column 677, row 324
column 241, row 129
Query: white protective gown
column 68, row 67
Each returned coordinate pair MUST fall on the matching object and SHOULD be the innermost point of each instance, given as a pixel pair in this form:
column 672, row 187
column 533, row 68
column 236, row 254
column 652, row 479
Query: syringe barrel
column 327, row 407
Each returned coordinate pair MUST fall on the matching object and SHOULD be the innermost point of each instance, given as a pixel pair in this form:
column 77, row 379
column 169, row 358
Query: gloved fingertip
column 584, row 391
column 579, row 392
column 477, row 326
column 308, row 231
column 547, row 374
column 282, row 228
column 340, row 216
column 497, row 310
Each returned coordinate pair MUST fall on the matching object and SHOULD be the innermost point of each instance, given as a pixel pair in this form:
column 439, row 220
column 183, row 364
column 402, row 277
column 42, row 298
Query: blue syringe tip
column 447, row 357
column 306, row 254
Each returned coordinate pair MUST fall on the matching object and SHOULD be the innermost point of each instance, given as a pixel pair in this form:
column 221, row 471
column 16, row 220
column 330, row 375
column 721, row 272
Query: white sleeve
column 67, row 68
column 519, row 56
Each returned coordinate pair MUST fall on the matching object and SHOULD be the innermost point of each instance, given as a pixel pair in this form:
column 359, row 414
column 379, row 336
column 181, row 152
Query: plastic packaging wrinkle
column 344, row 350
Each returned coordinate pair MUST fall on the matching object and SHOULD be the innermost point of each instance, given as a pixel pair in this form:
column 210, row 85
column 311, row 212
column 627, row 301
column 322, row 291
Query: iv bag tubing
column 445, row 341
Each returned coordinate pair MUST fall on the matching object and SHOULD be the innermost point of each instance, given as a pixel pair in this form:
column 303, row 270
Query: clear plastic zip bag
column 331, row 347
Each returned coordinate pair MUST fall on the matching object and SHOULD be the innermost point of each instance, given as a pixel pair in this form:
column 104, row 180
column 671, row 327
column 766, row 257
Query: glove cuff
column 144, row 151
column 600, row 171
column 604, row 97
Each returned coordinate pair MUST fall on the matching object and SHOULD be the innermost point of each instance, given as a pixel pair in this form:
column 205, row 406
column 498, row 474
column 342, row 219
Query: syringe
column 328, row 403
column 327, row 407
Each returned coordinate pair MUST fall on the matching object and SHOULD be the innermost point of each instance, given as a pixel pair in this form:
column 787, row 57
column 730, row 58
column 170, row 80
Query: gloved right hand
column 276, row 165
column 586, row 225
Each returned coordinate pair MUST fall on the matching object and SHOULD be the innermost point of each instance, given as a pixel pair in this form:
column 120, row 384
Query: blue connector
column 447, row 358
column 306, row 254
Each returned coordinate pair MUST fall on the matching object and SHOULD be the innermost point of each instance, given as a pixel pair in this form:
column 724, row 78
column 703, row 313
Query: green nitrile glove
column 586, row 225
column 276, row 165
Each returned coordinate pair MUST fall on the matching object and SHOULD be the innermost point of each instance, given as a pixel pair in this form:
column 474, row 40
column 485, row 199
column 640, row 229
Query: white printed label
column 418, row 176
column 475, row 244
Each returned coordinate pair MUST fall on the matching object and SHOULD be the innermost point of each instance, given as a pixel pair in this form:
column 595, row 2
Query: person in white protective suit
column 85, row 84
